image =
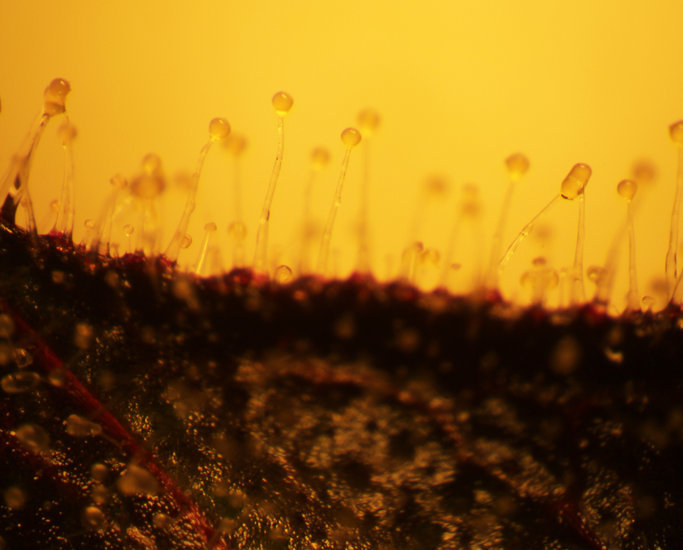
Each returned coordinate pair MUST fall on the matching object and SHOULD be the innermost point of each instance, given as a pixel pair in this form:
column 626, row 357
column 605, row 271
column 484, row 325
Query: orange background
column 459, row 85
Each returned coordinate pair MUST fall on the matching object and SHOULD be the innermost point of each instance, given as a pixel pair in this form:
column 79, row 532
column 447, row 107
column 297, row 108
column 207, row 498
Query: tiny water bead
column 55, row 96
column 517, row 165
column 282, row 102
column 93, row 517
column 576, row 180
column 676, row 133
column 79, row 426
column 15, row 497
column 20, row 382
column 33, row 437
column 219, row 129
column 136, row 480
column 627, row 189
column 368, row 122
column 151, row 182
column 320, row 158
column 99, row 471
column 350, row 137
column 236, row 144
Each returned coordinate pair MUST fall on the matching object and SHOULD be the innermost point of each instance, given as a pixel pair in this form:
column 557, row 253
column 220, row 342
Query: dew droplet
column 283, row 274
column 219, row 129
column 368, row 122
column 236, row 144
column 81, row 427
column 595, row 273
column 22, row 358
column 33, row 437
column 151, row 182
column 19, row 382
column 517, row 165
column 676, row 133
column 566, row 356
column 136, row 480
column 161, row 521
column 186, row 242
column 576, row 180
column 350, row 137
column 93, row 518
column 83, row 335
column 627, row 189
column 6, row 353
column 15, row 497
column 6, row 326
column 55, row 96
column 320, row 157
column 56, row 378
column 99, row 494
column 99, row 471
column 282, row 102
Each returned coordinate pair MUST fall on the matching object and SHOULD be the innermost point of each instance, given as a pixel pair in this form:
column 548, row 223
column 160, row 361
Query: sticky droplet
column 575, row 181
column 136, row 480
column 320, row 157
column 368, row 122
column 219, row 129
column 282, row 102
column 151, row 182
column 22, row 358
column 595, row 273
column 627, row 189
column 83, row 335
column 186, row 242
column 93, row 517
column 517, row 165
column 236, row 144
column 644, row 171
column 99, row 471
column 436, row 186
column 82, row 427
column 283, row 274
column 15, row 497
column 33, row 437
column 676, row 133
column 20, row 382
column 161, row 521
column 210, row 227
column 566, row 356
column 471, row 203
column 6, row 326
column 350, row 137
column 99, row 494
column 55, row 96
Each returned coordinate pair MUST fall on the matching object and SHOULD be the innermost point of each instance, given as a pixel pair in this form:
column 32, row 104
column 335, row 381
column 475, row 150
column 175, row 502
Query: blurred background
column 459, row 86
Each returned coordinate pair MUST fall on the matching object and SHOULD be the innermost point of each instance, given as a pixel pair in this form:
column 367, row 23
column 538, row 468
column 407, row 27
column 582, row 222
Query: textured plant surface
column 145, row 408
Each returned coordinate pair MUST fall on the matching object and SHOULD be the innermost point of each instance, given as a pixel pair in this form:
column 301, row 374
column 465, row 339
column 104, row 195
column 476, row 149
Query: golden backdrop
column 459, row 86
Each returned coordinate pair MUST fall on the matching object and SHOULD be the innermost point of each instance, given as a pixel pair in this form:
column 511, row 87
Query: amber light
column 459, row 86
